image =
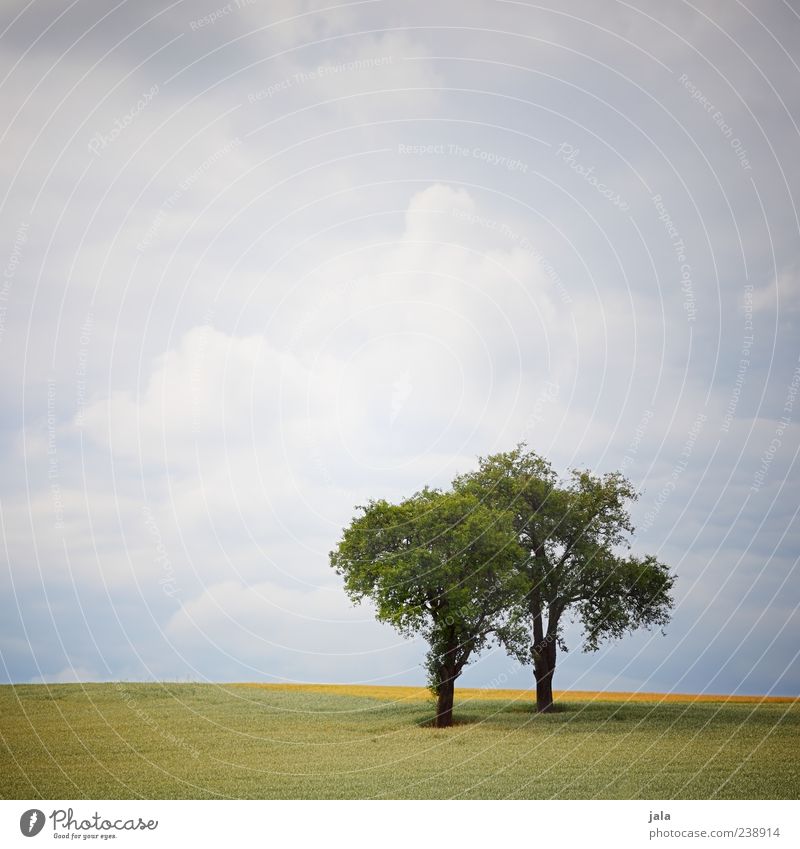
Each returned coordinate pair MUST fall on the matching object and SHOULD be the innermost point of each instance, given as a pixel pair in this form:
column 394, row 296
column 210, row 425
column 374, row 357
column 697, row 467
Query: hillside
column 324, row 741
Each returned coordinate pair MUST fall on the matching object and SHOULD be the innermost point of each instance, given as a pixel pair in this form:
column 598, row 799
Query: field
column 74, row 741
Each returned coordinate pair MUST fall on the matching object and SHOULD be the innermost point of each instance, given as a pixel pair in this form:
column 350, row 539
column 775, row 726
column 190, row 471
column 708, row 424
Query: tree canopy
column 508, row 555
column 443, row 566
column 574, row 535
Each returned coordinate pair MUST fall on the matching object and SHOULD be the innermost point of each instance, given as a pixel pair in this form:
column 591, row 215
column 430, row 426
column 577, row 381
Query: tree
column 438, row 564
column 571, row 534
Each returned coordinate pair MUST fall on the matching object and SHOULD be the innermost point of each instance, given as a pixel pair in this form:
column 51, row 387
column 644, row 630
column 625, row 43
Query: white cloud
column 276, row 631
column 347, row 320
column 781, row 295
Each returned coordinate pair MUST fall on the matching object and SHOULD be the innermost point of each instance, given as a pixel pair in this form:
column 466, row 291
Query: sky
column 264, row 261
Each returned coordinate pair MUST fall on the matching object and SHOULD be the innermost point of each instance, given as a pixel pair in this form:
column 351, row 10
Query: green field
column 247, row 741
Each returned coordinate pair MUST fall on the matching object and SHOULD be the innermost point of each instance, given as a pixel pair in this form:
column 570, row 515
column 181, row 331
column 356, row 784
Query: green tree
column 573, row 535
column 441, row 565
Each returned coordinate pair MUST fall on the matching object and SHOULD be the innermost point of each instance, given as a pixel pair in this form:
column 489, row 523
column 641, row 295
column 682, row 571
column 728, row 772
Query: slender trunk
column 544, row 665
column 543, row 652
column 444, row 704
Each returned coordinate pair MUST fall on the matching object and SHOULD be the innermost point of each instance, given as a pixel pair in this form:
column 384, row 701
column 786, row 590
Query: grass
column 109, row 741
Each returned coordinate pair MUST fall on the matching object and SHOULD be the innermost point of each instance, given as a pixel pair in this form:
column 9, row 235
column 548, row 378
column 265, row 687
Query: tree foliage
column 509, row 554
column 441, row 565
column 574, row 535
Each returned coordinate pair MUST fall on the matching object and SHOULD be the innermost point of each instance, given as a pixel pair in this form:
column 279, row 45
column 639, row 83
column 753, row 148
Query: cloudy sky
column 266, row 260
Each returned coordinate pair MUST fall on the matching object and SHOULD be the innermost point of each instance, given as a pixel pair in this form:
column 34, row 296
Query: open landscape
column 396, row 342
column 131, row 740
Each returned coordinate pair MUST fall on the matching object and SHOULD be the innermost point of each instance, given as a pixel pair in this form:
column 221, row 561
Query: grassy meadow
column 123, row 740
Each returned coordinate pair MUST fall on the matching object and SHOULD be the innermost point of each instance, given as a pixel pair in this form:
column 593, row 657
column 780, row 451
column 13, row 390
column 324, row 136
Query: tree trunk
column 444, row 705
column 543, row 652
column 544, row 665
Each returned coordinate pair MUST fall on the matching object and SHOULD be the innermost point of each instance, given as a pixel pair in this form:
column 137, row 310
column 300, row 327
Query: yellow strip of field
column 463, row 694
